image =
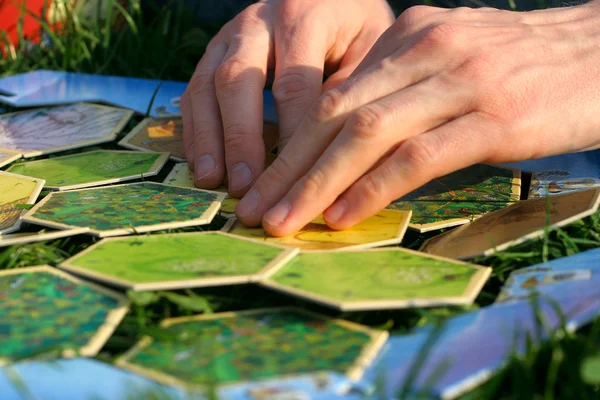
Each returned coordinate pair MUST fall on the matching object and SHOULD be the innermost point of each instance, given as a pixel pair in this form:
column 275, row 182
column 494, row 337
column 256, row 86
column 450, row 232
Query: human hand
column 222, row 106
column 439, row 91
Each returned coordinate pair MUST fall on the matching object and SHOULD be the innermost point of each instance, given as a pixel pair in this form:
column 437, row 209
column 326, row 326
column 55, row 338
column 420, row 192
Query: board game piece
column 167, row 135
column 522, row 286
column 160, row 98
column 378, row 279
column 460, row 197
column 94, row 168
column 555, row 182
column 176, row 261
column 52, row 129
column 157, row 135
column 44, row 309
column 8, row 156
column 32, row 237
column 526, row 281
column 384, row 228
column 16, row 191
column 126, row 209
column 228, row 348
column 82, row 379
column 181, row 176
column 513, row 225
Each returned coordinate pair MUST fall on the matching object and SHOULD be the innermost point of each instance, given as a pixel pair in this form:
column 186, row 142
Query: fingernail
column 205, row 165
column 248, row 205
column 240, row 177
column 276, row 215
column 336, row 211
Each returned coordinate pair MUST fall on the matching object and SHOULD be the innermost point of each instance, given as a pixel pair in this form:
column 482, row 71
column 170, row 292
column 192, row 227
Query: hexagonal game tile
column 126, row 209
column 8, row 156
column 51, row 129
column 157, row 134
column 176, row 261
column 460, row 197
column 16, row 191
column 378, row 279
column 513, row 225
column 94, row 168
column 44, row 309
column 385, row 228
column 181, row 176
column 253, row 345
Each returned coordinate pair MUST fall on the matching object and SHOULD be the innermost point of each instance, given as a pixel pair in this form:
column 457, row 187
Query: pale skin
column 439, row 90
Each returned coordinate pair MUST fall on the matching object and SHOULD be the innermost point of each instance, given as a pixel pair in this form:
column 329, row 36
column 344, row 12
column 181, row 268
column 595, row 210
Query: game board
column 94, row 168
column 160, row 98
column 16, row 191
column 44, row 309
column 32, row 237
column 385, row 228
column 233, row 347
column 52, row 129
column 460, row 197
column 513, row 225
column 378, row 279
column 126, row 209
column 176, row 261
column 8, row 156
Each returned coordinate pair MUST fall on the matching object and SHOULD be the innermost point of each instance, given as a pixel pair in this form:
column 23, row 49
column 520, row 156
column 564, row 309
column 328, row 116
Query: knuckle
column 278, row 171
column 478, row 66
column 289, row 11
column 372, row 187
column 443, row 35
column 313, row 181
column 250, row 17
column 368, row 121
column 200, row 81
column 328, row 106
column 419, row 154
column 230, row 73
column 412, row 16
column 236, row 137
column 291, row 88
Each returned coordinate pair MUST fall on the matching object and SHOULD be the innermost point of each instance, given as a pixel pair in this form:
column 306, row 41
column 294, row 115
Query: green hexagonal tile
column 126, row 209
column 93, row 168
column 45, row 310
column 253, row 345
column 177, row 261
column 379, row 279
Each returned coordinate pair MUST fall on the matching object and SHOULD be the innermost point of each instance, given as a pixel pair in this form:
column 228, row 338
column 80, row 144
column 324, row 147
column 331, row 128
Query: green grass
column 166, row 44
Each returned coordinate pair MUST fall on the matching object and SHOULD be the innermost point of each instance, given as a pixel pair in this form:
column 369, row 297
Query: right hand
column 222, row 107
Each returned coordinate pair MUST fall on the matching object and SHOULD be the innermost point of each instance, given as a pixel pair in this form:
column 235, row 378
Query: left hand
column 439, row 91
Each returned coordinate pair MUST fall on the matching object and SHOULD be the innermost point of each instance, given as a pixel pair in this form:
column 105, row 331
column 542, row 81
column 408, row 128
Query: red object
column 10, row 14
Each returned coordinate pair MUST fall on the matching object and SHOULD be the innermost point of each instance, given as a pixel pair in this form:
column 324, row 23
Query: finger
column 188, row 128
column 300, row 52
column 319, row 128
column 240, row 82
column 204, row 150
column 377, row 127
column 419, row 159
